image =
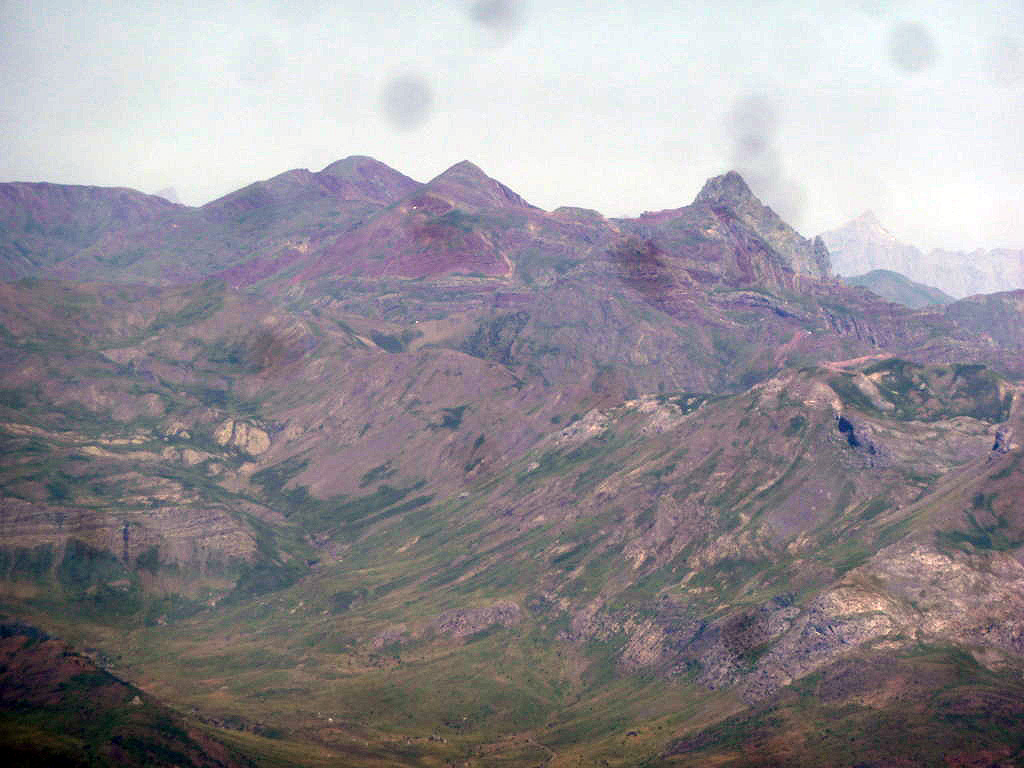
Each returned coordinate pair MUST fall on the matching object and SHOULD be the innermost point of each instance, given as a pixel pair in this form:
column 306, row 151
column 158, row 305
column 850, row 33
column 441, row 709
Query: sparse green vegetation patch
column 927, row 393
column 84, row 566
column 986, row 529
column 797, row 424
column 376, row 474
column 561, row 462
column 33, row 563
column 202, row 305
column 850, row 394
column 451, row 418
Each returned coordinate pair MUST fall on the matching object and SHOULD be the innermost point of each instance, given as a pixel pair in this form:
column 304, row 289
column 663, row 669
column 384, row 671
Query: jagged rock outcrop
column 468, row 621
column 242, row 436
column 803, row 256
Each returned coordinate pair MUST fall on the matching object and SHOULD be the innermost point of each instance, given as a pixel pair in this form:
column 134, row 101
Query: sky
column 911, row 109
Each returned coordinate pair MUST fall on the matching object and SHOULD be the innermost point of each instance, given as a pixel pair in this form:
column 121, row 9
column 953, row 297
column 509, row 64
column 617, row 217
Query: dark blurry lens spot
column 1004, row 58
column 911, row 47
column 752, row 125
column 406, row 101
column 502, row 17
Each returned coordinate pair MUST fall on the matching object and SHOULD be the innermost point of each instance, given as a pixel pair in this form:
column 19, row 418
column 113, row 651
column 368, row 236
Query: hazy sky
column 914, row 109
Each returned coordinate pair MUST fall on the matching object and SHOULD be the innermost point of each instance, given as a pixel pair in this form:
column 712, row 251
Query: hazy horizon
column 908, row 109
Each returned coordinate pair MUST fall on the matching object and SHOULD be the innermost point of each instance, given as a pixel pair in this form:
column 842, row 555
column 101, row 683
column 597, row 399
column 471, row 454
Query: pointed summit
column 729, row 189
column 869, row 225
column 356, row 166
column 349, row 166
column 466, row 170
column 362, row 177
column 869, row 217
column 466, row 185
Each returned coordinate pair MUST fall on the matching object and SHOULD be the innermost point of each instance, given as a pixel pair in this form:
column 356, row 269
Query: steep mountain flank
column 43, row 224
column 58, row 708
column 656, row 491
column 730, row 192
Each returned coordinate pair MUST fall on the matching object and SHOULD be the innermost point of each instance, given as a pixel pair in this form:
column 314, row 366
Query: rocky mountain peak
column 728, row 189
column 362, row 177
column 355, row 178
column 868, row 218
column 868, row 224
column 465, row 169
column 863, row 245
column 354, row 165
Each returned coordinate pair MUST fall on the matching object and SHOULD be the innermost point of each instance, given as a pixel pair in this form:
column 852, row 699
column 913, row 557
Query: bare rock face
column 835, row 624
column 465, row 622
column 956, row 596
column 193, row 457
column 730, row 191
column 182, row 535
column 242, row 436
column 908, row 593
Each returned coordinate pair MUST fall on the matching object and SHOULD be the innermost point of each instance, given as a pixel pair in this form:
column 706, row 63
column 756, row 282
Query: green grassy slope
column 353, row 551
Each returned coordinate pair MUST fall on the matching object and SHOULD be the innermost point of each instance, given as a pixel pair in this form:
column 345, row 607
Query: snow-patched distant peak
column 869, row 224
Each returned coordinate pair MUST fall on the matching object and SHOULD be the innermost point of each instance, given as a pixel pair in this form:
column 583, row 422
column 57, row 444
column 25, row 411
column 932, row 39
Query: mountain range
column 864, row 245
column 348, row 469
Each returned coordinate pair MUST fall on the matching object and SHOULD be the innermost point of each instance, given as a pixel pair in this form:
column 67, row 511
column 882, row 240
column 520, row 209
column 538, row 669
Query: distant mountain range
column 864, row 245
column 356, row 217
column 349, row 469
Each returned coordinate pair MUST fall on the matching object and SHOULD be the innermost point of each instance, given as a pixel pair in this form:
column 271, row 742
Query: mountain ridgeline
column 899, row 289
column 864, row 245
column 655, row 491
